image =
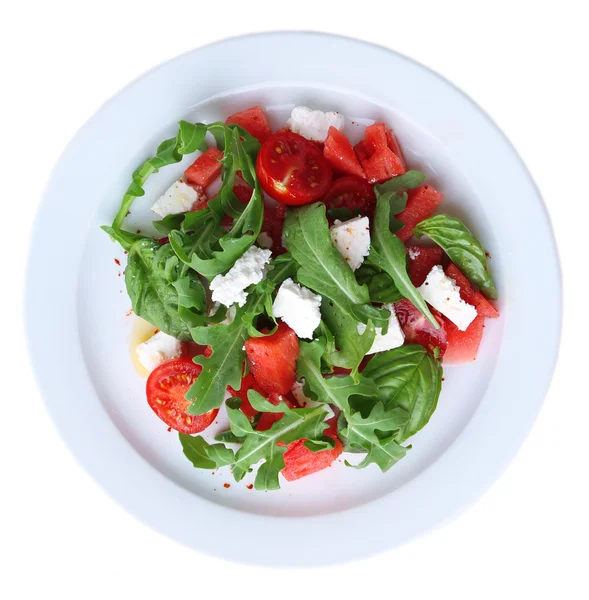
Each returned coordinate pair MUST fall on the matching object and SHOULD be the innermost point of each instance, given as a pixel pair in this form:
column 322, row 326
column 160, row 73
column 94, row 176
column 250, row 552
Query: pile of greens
column 380, row 408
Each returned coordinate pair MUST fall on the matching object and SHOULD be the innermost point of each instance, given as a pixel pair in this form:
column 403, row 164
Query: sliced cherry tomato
column 166, row 388
column 418, row 330
column 273, row 359
column 353, row 193
column 292, row 170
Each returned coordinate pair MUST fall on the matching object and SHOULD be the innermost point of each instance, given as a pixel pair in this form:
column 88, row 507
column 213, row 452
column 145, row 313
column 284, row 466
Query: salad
column 315, row 295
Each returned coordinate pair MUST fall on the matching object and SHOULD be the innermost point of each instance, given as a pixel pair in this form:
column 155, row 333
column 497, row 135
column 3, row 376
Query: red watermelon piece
column 393, row 144
column 463, row 346
column 470, row 295
column 254, row 121
column 421, row 204
column 418, row 330
column 247, row 383
column 421, row 261
column 379, row 162
column 340, row 154
column 205, row 169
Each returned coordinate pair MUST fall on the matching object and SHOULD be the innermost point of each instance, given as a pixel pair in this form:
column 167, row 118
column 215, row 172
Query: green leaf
column 195, row 450
column 262, row 405
column 392, row 191
column 381, row 287
column 150, row 276
column 384, row 454
column 388, row 253
column 322, row 268
column 228, row 437
column 220, row 454
column 191, row 137
column 124, row 238
column 464, row 250
column 407, row 378
column 350, row 347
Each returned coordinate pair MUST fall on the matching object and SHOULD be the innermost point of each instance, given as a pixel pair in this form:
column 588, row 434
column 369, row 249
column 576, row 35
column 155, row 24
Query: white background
column 523, row 62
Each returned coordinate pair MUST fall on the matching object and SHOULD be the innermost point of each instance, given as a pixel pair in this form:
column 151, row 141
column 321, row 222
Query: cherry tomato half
column 292, row 169
column 353, row 193
column 166, row 388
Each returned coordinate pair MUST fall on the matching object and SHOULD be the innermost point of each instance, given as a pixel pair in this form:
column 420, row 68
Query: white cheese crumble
column 298, row 307
column 265, row 241
column 158, row 349
column 393, row 338
column 178, row 198
column 444, row 295
column 413, row 253
column 250, row 268
column 352, row 239
column 314, row 124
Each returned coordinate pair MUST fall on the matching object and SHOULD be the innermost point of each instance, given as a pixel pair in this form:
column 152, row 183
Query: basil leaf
column 407, row 378
column 322, row 268
column 150, row 276
column 464, row 250
column 195, row 450
column 381, row 286
column 388, row 253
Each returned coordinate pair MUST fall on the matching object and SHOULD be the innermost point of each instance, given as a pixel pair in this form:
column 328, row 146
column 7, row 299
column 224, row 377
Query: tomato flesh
column 254, row 121
column 292, row 170
column 418, row 330
column 205, row 169
column 421, row 203
column 273, row 359
column 339, row 152
column 353, row 193
column 166, row 389
column 468, row 294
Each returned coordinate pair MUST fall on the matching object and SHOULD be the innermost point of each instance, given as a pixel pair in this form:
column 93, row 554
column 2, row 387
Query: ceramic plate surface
column 79, row 332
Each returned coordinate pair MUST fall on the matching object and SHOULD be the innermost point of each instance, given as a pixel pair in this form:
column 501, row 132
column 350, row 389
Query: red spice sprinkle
column 139, row 231
column 226, row 485
column 169, row 430
column 118, row 262
column 443, row 379
column 129, row 313
column 250, row 486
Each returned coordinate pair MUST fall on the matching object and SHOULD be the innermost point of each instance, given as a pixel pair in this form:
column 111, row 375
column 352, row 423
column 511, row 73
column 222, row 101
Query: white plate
column 78, row 329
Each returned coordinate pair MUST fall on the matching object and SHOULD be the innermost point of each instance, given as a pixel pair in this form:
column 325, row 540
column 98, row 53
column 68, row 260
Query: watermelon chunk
column 254, row 121
column 205, row 169
column 268, row 419
column 393, row 144
column 340, row 154
column 418, row 330
column 463, row 345
column 421, row 261
column 470, row 295
column 421, row 204
column 247, row 383
column 379, row 162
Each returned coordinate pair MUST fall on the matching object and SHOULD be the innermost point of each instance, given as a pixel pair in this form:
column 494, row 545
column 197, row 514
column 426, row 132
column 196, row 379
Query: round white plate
column 78, row 329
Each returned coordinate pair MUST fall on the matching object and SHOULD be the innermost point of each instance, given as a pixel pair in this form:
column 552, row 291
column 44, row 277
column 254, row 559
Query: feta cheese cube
column 314, row 124
column 352, row 239
column 178, row 198
column 298, row 307
column 414, row 253
column 158, row 349
column 248, row 269
column 444, row 295
column 265, row 241
column 393, row 338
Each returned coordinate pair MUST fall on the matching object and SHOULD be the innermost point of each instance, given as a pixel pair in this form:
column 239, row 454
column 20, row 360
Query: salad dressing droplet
column 140, row 332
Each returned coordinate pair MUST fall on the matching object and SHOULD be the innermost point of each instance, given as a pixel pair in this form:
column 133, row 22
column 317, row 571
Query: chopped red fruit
column 273, row 223
column 339, row 152
column 205, row 169
column 192, row 349
column 267, row 419
column 470, row 295
column 254, row 121
column 273, row 359
column 421, row 261
column 393, row 144
column 299, row 461
column 247, row 383
column 353, row 193
column 421, row 204
column 379, row 162
column 418, row 330
column 463, row 346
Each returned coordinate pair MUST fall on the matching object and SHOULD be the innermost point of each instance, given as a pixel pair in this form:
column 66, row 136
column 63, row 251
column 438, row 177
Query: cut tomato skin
column 205, row 169
column 353, row 193
column 463, row 346
column 468, row 294
column 254, row 121
column 166, row 387
column 299, row 461
column 421, row 204
column 340, row 153
column 418, row 330
column 421, row 262
column 273, row 359
column 379, row 162
column 393, row 144
column 292, row 170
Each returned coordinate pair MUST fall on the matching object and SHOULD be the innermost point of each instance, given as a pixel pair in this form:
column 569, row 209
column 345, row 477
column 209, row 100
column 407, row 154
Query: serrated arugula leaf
column 409, row 378
column 350, row 347
column 322, row 268
column 388, row 253
column 125, row 238
column 195, row 450
column 381, row 287
column 385, row 454
column 464, row 250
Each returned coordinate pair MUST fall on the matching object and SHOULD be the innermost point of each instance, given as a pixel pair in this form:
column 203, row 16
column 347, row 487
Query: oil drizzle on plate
column 141, row 331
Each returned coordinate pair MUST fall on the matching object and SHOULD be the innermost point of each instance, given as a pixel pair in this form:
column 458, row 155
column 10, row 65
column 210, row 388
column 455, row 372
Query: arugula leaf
column 464, row 250
column 388, row 253
column 151, row 277
column 407, row 378
column 385, row 454
column 125, row 238
column 195, row 450
column 322, row 268
column 392, row 191
column 351, row 346
column 381, row 287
